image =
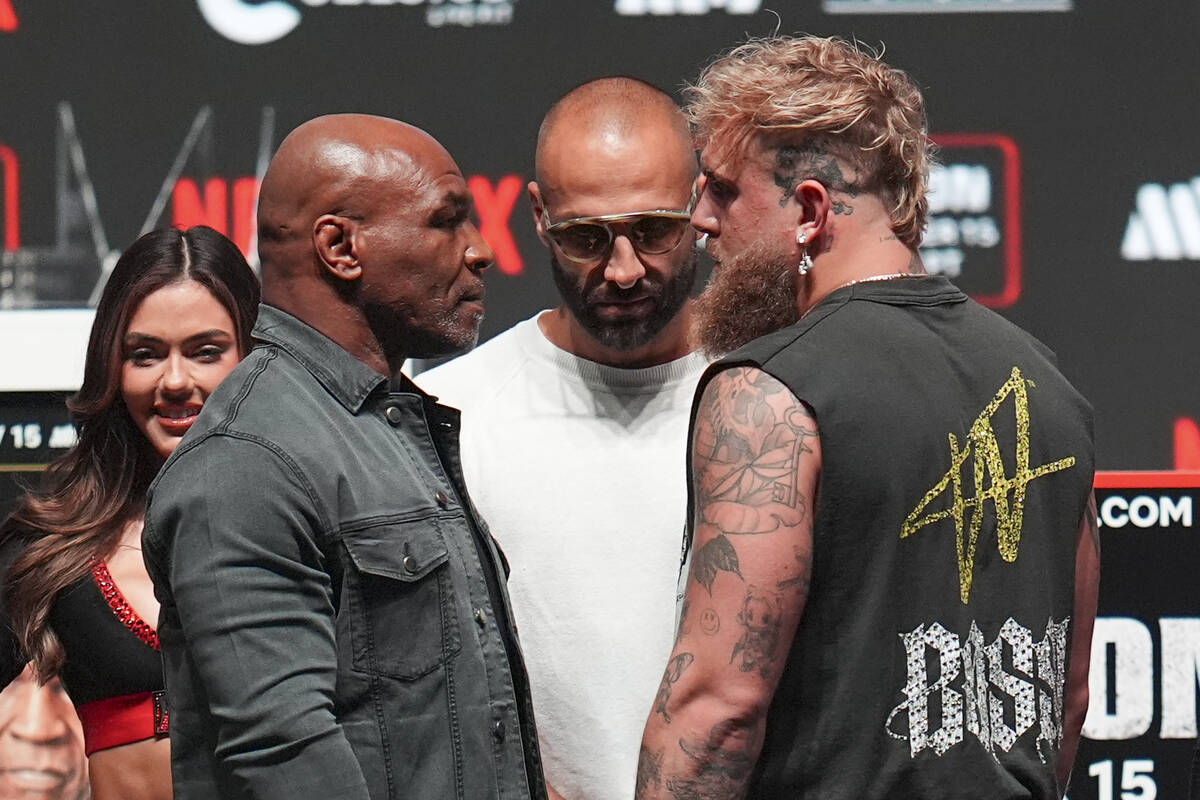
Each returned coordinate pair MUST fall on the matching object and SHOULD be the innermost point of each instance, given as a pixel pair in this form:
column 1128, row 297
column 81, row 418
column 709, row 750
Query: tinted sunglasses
column 587, row 240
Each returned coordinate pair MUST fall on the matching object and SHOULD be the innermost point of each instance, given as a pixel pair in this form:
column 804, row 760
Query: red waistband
column 122, row 720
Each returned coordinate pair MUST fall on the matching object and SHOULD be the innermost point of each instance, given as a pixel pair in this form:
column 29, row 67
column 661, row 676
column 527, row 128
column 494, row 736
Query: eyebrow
column 134, row 337
column 459, row 200
column 713, row 175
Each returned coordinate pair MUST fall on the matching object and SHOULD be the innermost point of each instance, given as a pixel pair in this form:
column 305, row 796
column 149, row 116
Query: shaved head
column 364, row 233
column 617, row 146
column 610, row 116
column 332, row 165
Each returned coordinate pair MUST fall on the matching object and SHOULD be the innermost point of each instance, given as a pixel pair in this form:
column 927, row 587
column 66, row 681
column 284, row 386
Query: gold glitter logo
column 990, row 481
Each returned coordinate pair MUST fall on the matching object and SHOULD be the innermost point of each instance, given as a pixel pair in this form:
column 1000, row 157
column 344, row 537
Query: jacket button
column 394, row 414
column 410, row 564
column 480, row 617
column 442, row 498
column 498, row 730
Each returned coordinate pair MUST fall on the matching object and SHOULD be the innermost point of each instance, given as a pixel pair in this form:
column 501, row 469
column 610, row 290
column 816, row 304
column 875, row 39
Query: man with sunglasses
column 574, row 426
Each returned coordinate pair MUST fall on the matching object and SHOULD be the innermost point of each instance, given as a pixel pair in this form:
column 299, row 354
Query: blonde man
column 920, row 627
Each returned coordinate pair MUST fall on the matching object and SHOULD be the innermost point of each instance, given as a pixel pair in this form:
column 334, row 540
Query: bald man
column 334, row 618
column 575, row 422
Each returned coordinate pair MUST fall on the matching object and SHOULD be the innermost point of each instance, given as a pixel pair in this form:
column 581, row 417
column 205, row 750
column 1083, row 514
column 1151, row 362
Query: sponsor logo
column 252, row 23
column 8, row 17
column 245, row 23
column 494, row 206
column 1164, row 224
column 226, row 206
column 974, row 231
column 1122, row 678
column 941, row 6
column 665, row 8
column 1145, row 511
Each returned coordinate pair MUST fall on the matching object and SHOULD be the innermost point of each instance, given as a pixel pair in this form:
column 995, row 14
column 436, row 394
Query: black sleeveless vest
column 931, row 658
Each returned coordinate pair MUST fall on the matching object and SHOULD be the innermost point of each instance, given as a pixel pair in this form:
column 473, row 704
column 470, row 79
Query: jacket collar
column 343, row 376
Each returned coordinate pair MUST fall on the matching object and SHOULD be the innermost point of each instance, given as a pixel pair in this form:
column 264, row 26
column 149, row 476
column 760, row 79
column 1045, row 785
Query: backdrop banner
column 1067, row 197
column 1141, row 724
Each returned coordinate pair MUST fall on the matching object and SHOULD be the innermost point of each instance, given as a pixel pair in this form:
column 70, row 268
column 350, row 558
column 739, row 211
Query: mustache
column 607, row 292
column 475, row 293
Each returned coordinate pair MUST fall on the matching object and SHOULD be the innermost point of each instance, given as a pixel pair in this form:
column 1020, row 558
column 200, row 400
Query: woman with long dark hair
column 173, row 320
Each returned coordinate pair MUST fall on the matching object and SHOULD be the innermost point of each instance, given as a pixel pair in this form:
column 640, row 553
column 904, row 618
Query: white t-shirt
column 579, row 470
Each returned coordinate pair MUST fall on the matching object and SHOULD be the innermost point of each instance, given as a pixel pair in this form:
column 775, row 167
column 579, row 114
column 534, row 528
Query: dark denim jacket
column 334, row 620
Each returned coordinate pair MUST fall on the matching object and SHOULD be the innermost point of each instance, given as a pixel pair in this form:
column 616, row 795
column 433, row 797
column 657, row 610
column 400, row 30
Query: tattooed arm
column 755, row 462
column 1087, row 585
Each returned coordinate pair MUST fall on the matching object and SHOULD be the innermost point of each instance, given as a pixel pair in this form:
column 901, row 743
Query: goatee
column 668, row 290
column 748, row 296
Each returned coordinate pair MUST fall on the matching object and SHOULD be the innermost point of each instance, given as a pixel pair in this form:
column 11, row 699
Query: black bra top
column 110, row 651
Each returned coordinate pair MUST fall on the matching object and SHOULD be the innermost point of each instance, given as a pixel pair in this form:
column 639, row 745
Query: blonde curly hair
column 813, row 93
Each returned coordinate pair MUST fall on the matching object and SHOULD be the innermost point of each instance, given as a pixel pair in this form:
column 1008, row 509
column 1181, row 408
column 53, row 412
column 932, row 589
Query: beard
column 429, row 330
column 748, row 296
column 668, row 295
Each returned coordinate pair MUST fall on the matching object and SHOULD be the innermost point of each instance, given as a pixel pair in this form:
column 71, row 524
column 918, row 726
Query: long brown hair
column 88, row 495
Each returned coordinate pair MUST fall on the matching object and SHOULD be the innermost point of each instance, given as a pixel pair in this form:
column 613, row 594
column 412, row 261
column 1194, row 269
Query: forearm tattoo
column 671, row 675
column 723, row 765
column 649, row 771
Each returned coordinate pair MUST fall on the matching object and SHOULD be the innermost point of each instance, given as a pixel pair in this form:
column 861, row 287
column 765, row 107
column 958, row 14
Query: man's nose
column 479, row 255
column 704, row 220
column 38, row 719
column 703, row 217
column 624, row 268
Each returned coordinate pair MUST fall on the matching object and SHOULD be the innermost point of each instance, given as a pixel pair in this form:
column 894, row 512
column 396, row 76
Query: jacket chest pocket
column 403, row 615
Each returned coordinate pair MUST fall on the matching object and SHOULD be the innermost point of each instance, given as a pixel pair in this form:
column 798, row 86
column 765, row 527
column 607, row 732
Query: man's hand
column 755, row 463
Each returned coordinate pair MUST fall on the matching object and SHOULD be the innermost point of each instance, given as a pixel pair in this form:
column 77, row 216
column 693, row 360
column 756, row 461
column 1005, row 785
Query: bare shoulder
column 749, row 418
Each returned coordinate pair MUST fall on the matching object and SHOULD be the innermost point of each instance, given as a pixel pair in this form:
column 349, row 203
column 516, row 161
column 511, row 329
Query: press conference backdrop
column 1140, row 729
column 1068, row 195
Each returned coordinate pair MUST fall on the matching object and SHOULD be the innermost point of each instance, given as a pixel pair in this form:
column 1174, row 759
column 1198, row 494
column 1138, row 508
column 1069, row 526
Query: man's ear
column 536, row 206
column 333, row 241
column 812, row 200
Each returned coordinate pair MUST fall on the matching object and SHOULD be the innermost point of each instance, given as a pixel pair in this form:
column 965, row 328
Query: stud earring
column 806, row 262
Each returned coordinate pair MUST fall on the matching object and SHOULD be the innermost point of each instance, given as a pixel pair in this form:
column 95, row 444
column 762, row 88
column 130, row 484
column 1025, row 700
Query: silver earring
column 806, row 262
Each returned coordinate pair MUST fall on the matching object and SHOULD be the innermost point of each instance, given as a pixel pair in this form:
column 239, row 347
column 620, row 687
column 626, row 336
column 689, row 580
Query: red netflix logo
column 8, row 17
column 10, row 179
column 227, row 205
column 494, row 207
column 212, row 208
column 1187, row 444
